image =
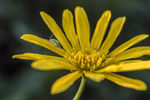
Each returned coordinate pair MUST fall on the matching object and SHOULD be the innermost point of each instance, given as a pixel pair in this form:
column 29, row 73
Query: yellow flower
column 85, row 57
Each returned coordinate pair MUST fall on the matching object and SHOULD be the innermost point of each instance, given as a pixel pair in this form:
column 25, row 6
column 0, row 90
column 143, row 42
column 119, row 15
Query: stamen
column 99, row 62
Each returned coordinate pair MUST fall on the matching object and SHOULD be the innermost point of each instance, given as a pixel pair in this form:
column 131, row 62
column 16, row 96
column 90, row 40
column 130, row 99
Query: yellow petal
column 50, row 22
column 94, row 76
column 69, row 29
column 43, row 42
column 129, row 66
column 100, row 30
column 128, row 44
column 34, row 56
column 126, row 82
column 132, row 53
column 65, row 82
column 52, row 64
column 83, row 27
column 126, row 61
column 115, row 29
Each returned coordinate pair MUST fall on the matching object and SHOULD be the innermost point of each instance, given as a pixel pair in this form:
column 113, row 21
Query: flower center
column 87, row 59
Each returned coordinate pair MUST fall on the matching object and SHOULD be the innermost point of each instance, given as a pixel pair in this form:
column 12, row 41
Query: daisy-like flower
column 88, row 58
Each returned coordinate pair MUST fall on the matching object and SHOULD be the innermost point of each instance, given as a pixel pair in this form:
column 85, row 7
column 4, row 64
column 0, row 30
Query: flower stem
column 80, row 90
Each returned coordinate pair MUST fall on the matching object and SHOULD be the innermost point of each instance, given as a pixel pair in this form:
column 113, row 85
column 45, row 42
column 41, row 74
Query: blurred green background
column 18, row 81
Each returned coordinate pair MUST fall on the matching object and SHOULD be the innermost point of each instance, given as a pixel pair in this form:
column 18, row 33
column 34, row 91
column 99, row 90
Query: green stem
column 80, row 90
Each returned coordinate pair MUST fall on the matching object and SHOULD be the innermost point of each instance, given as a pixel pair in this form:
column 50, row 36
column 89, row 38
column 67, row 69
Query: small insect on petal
column 55, row 42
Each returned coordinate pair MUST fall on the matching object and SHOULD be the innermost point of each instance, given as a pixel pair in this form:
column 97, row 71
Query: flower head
column 85, row 57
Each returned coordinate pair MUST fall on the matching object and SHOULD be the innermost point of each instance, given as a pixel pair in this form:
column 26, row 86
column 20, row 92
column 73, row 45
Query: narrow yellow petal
column 83, row 27
column 127, row 82
column 128, row 44
column 34, row 56
column 115, row 29
column 50, row 22
column 69, row 29
column 43, row 42
column 52, row 64
column 100, row 30
column 126, row 61
column 65, row 82
column 132, row 53
column 94, row 76
column 129, row 66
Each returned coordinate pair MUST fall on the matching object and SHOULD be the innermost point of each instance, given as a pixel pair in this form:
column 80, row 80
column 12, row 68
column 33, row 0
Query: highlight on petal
column 94, row 76
column 82, row 27
column 115, row 29
column 43, row 42
column 50, row 22
column 100, row 30
column 128, row 44
column 52, row 64
column 130, row 66
column 65, row 82
column 69, row 28
column 126, row 82
column 132, row 53
column 34, row 56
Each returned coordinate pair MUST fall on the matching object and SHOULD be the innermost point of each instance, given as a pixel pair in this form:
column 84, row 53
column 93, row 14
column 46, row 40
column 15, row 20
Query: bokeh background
column 18, row 81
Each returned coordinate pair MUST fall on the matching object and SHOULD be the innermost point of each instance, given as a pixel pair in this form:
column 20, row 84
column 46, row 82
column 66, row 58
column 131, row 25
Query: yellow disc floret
column 87, row 59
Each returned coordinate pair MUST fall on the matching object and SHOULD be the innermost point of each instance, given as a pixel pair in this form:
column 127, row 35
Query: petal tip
column 146, row 35
column 42, row 12
column 23, row 36
column 143, row 87
column 14, row 56
column 52, row 92
column 55, row 89
column 108, row 11
column 78, row 7
column 66, row 12
column 121, row 18
column 124, row 18
column 34, row 65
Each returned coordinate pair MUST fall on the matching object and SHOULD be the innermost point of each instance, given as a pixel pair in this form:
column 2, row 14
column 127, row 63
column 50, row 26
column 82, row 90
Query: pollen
column 87, row 59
